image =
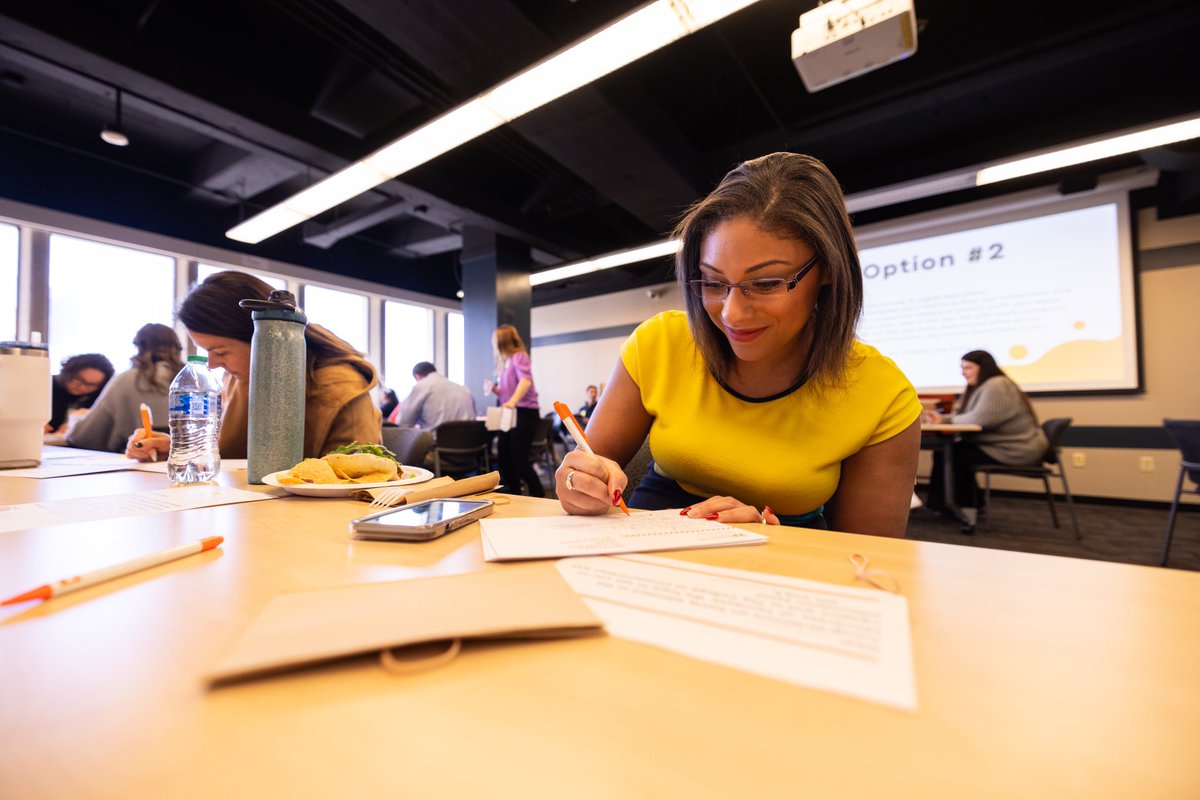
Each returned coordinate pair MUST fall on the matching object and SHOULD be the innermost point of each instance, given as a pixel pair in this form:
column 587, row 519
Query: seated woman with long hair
column 117, row 411
column 1011, row 434
column 338, row 407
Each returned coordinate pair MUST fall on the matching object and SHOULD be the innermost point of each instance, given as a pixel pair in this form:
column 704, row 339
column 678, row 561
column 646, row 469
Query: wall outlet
column 1079, row 459
column 1146, row 463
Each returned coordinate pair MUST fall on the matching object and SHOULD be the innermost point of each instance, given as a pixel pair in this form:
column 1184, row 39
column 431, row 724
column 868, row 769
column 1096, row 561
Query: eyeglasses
column 717, row 291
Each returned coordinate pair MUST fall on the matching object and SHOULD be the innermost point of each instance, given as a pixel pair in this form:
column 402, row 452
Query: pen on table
column 148, row 427
column 580, row 437
column 49, row 590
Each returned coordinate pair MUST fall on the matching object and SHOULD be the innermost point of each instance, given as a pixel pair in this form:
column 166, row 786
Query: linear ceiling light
column 1114, row 145
column 624, row 41
column 607, row 261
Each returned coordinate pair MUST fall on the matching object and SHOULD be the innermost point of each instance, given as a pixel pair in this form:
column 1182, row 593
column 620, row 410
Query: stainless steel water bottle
column 275, row 439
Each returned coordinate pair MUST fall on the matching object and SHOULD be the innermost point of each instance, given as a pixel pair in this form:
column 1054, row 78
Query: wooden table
column 944, row 436
column 1037, row 676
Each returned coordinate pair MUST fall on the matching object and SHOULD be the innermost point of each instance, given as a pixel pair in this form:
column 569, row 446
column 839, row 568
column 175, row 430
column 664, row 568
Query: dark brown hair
column 793, row 196
column 212, row 308
column 156, row 343
column 988, row 369
column 76, row 364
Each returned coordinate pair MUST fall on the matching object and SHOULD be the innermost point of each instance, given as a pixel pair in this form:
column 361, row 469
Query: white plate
column 417, row 475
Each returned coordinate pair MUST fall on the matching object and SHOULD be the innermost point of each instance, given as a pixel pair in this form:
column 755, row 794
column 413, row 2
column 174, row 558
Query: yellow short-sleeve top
column 786, row 451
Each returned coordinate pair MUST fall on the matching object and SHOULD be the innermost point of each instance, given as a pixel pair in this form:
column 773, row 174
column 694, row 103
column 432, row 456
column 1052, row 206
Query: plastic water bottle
column 194, row 413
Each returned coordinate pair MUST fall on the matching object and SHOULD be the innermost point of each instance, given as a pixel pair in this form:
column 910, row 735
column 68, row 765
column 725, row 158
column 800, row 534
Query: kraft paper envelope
column 312, row 627
column 439, row 487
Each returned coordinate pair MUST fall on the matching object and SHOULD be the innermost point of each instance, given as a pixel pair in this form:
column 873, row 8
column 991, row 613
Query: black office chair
column 461, row 448
column 1051, row 467
column 1186, row 433
column 411, row 445
column 541, row 448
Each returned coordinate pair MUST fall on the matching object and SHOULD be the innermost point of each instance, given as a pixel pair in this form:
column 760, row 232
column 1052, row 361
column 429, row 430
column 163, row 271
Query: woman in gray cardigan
column 1011, row 434
column 115, row 414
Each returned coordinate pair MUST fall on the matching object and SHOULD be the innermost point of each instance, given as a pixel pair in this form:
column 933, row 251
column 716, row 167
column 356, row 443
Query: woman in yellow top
column 759, row 397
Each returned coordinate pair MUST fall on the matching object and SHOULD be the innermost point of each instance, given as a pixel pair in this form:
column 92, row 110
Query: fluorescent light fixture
column 607, row 261
column 1115, row 145
column 624, row 41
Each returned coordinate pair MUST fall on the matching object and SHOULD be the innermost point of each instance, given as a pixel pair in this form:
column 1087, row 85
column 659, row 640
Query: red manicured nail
column 712, row 516
column 616, row 496
column 767, row 510
column 684, row 512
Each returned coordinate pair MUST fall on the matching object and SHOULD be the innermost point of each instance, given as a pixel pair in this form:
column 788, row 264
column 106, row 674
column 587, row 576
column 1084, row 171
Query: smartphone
column 420, row 522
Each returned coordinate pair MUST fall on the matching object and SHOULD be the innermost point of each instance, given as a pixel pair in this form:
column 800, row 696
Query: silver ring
column 571, row 481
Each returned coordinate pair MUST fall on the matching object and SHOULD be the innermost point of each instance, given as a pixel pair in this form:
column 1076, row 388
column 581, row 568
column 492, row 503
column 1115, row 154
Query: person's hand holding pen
column 586, row 483
column 147, row 448
column 589, row 484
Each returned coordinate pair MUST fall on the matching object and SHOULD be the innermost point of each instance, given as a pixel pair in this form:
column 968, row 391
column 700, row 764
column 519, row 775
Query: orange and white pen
column 116, row 571
column 148, row 427
column 580, row 437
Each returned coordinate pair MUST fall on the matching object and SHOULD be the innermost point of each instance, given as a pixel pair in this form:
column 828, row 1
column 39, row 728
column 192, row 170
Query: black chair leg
column 1050, row 500
column 1171, row 519
column 986, row 511
column 1062, row 475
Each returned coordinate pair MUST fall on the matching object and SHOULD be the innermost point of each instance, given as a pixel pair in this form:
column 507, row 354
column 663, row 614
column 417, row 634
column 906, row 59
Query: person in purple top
column 514, row 387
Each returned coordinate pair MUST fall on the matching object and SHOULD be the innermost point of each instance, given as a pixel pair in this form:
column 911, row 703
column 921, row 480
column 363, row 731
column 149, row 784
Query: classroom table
column 942, row 435
column 1037, row 676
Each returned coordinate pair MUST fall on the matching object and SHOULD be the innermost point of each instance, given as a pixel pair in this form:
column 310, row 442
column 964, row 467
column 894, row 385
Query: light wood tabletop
column 1036, row 676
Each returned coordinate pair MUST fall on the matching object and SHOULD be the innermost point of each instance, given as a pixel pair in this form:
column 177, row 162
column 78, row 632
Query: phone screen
column 425, row 514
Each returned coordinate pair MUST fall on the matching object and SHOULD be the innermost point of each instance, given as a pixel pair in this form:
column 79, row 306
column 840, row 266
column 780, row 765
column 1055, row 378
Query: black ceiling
column 232, row 105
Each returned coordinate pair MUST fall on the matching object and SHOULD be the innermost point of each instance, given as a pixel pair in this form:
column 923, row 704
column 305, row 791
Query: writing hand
column 143, row 448
column 595, row 483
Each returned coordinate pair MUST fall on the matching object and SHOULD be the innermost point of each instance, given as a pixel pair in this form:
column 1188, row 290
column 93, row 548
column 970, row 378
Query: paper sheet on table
column 526, row 601
column 642, row 532
column 227, row 465
column 65, row 467
column 840, row 639
column 114, row 506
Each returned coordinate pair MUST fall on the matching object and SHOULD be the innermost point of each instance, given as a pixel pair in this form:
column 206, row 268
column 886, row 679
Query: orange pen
column 580, row 437
column 148, row 427
column 46, row 591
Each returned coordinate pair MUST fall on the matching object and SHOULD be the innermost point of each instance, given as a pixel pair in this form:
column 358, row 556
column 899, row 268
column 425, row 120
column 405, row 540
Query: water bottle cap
column 280, row 304
column 197, row 359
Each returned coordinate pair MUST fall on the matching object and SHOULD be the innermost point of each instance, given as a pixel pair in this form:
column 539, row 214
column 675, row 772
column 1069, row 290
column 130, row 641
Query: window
column 9, row 244
column 100, row 294
column 456, row 348
column 407, row 340
column 204, row 270
column 344, row 313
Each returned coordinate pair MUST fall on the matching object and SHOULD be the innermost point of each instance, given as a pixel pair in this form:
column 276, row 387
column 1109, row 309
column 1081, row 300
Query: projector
column 843, row 39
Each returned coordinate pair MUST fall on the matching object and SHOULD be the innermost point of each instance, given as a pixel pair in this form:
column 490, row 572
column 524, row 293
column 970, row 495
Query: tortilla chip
column 310, row 470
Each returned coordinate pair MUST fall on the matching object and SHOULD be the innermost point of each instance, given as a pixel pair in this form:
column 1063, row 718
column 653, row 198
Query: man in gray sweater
column 435, row 399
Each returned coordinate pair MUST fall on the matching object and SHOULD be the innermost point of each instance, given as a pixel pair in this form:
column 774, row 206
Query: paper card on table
column 65, row 467
column 227, row 465
column 114, row 506
column 526, row 601
column 840, row 639
column 566, row 535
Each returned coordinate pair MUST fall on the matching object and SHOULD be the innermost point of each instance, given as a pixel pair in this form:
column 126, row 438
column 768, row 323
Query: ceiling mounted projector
column 842, row 39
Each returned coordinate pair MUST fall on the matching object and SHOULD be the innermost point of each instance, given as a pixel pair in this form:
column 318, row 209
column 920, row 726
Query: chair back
column 1055, row 429
column 1186, row 433
column 460, row 447
column 410, row 445
column 541, row 448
